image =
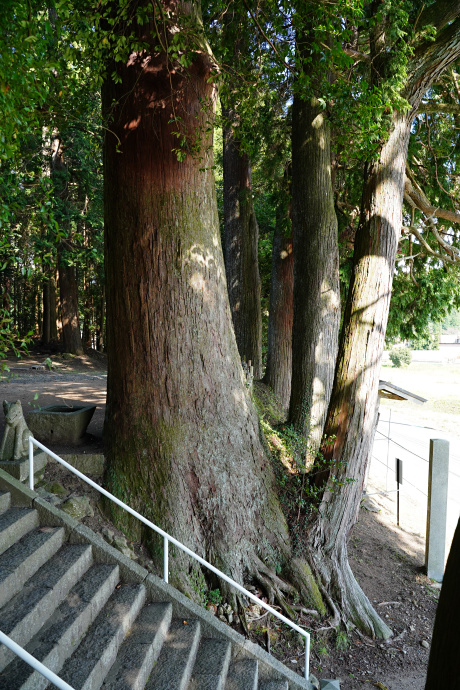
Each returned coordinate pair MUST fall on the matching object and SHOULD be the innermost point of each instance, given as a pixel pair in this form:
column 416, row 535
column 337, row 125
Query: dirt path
column 387, row 561
column 75, row 380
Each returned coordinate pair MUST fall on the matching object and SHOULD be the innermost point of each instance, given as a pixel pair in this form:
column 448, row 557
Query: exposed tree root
column 343, row 594
column 335, row 612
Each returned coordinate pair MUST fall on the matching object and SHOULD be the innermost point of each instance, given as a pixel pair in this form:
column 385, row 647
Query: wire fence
column 396, row 448
column 405, row 480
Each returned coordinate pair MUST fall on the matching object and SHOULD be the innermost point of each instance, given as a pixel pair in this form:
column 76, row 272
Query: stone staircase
column 99, row 620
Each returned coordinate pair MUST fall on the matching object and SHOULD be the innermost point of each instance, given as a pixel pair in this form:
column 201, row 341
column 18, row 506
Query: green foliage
column 298, row 487
column 430, row 341
column 342, row 641
column 400, row 356
column 451, row 322
column 214, row 596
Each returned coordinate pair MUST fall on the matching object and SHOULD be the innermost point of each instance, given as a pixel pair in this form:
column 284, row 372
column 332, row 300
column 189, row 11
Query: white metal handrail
column 32, row 661
column 168, row 538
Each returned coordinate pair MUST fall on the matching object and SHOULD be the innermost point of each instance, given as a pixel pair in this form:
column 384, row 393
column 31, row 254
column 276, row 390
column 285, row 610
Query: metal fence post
column 438, row 478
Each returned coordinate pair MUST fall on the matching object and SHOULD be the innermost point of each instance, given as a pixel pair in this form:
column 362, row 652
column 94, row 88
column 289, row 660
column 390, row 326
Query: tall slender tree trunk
column 316, row 267
column 279, row 353
column 68, row 292
column 101, row 321
column 351, row 418
column 352, row 412
column 241, row 249
column 53, row 307
column 46, row 333
column 181, row 433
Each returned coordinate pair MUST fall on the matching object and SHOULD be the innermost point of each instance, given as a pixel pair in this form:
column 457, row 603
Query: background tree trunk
column 351, row 417
column 46, row 332
column 316, row 269
column 444, row 663
column 68, row 292
column 182, row 436
column 279, row 354
column 52, row 307
column 352, row 412
column 241, row 247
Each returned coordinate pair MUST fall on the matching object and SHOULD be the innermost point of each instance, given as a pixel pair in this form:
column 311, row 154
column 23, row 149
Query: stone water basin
column 60, row 423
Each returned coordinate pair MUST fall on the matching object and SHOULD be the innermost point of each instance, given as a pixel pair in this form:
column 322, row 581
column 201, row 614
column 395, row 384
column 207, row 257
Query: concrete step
column 5, row 501
column 25, row 557
column 211, row 665
column 14, row 524
column 26, row 613
column 141, row 649
column 87, row 668
column 177, row 657
column 64, row 630
column 243, row 675
column 83, row 623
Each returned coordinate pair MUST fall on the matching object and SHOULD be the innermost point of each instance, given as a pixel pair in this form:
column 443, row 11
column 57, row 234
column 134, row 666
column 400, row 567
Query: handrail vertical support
column 165, row 559
column 307, row 658
column 31, row 463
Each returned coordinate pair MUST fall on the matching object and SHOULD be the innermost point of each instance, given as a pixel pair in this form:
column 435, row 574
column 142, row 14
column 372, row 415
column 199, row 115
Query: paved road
column 396, row 439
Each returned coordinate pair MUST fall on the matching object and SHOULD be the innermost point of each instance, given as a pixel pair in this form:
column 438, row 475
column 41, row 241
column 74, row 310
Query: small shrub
column 400, row 356
column 214, row 597
column 342, row 641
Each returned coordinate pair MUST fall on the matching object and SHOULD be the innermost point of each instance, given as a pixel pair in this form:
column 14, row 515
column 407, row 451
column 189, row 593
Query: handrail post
column 31, row 463
column 165, row 559
column 307, row 658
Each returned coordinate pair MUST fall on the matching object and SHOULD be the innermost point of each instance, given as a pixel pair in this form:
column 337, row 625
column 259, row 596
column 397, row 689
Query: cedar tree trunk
column 316, row 270
column 53, row 308
column 68, row 292
column 241, row 247
column 181, row 434
column 279, row 354
column 352, row 411
column 46, row 332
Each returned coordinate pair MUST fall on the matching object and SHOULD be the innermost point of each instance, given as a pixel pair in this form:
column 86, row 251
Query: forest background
column 337, row 187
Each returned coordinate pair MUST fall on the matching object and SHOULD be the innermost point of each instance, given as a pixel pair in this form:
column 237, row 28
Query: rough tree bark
column 53, row 307
column 68, row 293
column 181, row 433
column 279, row 352
column 444, row 663
column 351, row 415
column 316, row 265
column 46, row 330
column 241, row 247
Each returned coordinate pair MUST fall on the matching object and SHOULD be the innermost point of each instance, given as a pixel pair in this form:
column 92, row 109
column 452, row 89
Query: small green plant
column 400, row 356
column 198, row 583
column 32, row 404
column 341, row 641
column 49, row 364
column 322, row 650
column 214, row 597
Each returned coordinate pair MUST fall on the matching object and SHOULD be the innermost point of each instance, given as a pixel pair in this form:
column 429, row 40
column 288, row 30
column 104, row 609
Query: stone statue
column 15, row 443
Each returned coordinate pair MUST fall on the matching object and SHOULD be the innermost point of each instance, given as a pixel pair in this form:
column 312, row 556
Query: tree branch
column 429, row 250
column 356, row 55
column 438, row 15
column 430, row 60
column 416, row 197
column 436, row 107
